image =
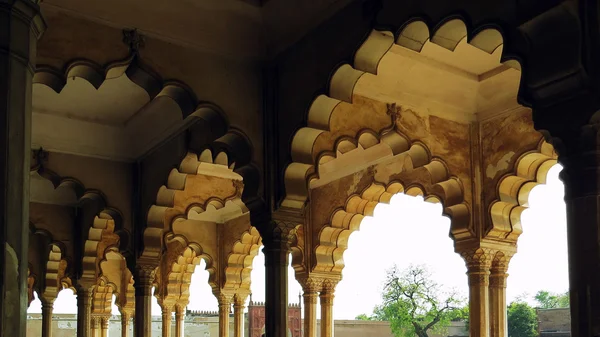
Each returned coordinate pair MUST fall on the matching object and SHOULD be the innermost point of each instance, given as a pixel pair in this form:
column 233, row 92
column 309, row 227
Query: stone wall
column 554, row 322
column 65, row 325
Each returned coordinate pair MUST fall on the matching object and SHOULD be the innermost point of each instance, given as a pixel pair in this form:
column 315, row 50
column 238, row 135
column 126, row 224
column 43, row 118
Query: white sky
column 411, row 231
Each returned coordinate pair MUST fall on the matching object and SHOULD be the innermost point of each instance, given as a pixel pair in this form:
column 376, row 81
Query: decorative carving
column 133, row 40
column 394, row 112
column 144, row 278
column 478, row 258
column 328, row 287
column 39, row 157
column 311, row 285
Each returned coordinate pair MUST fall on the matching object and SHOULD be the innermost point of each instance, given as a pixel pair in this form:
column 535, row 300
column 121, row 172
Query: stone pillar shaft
column 326, row 299
column 498, row 277
column 104, row 323
column 238, row 320
column 310, row 312
column 167, row 312
column 125, row 324
column 179, row 320
column 47, row 307
column 143, row 301
column 479, row 311
column 95, row 326
column 478, row 261
column 581, row 175
column 20, row 27
column 276, row 250
column 84, row 311
column 224, row 309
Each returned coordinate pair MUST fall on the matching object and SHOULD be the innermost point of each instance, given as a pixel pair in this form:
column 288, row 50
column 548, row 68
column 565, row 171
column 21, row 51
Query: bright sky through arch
column 407, row 231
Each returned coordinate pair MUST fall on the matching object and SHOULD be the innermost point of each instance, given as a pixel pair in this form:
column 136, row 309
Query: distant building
column 554, row 322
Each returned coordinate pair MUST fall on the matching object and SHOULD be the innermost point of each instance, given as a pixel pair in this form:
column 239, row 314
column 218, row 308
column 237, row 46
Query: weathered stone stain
column 501, row 165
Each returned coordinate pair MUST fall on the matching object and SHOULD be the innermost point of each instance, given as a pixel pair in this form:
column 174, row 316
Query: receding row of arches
column 432, row 116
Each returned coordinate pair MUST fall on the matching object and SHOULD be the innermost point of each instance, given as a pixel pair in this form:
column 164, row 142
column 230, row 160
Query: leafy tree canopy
column 522, row 320
column 548, row 300
column 415, row 305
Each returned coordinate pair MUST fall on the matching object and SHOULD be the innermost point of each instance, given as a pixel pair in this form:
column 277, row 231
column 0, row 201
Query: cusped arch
column 336, row 125
column 177, row 267
column 104, row 223
column 113, row 267
column 513, row 191
column 239, row 261
column 217, row 175
column 441, row 187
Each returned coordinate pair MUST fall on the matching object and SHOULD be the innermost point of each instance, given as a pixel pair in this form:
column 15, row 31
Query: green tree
column 363, row 317
column 415, row 305
column 522, row 320
column 548, row 300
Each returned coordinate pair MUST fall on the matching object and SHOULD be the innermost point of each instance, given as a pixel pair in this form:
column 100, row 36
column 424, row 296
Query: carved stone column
column 20, row 27
column 144, row 276
column 125, row 318
column 498, row 276
column 104, row 322
column 310, row 286
column 224, row 310
column 326, row 299
column 277, row 242
column 179, row 319
column 95, row 326
column 478, row 270
column 47, row 307
column 239, row 303
column 167, row 313
column 84, row 310
column 581, row 175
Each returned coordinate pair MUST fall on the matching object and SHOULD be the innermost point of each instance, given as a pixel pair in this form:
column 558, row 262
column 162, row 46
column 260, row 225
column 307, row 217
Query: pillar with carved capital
column 498, row 276
column 20, row 26
column 84, row 310
column 224, row 310
column 125, row 317
column 310, row 287
column 239, row 303
column 179, row 319
column 47, row 307
column 104, row 321
column 326, row 299
column 277, row 239
column 144, row 276
column 478, row 262
column 167, row 313
column 95, row 326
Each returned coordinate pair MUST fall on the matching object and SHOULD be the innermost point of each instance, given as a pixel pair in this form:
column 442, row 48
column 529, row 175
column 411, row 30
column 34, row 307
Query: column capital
column 239, row 300
column 104, row 321
column 311, row 284
column 180, row 307
column 95, row 322
column 328, row 287
column 478, row 258
column 144, row 275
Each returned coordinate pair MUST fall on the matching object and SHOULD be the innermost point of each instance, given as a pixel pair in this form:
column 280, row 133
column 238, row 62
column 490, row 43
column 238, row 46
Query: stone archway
column 435, row 109
column 203, row 206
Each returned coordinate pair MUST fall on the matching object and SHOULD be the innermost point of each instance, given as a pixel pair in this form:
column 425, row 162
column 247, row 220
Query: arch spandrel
column 113, row 268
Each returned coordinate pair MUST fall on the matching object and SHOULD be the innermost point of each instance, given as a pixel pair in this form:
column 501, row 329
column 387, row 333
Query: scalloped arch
column 333, row 238
column 239, row 261
column 327, row 132
column 513, row 191
column 202, row 182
